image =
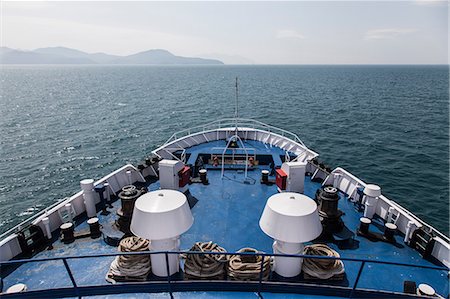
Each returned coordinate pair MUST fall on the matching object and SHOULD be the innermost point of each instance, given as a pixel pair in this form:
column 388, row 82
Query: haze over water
column 388, row 125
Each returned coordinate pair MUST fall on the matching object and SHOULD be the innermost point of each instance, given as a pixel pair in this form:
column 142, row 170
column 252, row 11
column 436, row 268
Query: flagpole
column 236, row 112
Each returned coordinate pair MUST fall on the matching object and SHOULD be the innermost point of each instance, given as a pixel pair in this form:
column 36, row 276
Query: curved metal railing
column 170, row 285
column 27, row 221
column 231, row 123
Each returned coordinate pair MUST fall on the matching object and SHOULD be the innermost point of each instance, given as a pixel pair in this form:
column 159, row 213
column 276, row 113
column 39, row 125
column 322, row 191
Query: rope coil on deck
column 248, row 267
column 322, row 268
column 130, row 267
column 205, row 266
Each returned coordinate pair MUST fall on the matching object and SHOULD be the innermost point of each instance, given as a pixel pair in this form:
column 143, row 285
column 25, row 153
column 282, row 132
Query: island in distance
column 62, row 55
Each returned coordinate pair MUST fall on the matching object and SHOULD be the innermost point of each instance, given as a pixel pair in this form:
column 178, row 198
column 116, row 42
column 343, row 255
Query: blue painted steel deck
column 228, row 212
column 216, row 148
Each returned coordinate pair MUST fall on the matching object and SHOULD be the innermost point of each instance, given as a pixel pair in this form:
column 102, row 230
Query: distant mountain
column 11, row 56
column 62, row 55
column 100, row 58
column 159, row 56
column 62, row 51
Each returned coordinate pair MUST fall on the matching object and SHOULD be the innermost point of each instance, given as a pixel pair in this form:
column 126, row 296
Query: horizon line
column 229, row 64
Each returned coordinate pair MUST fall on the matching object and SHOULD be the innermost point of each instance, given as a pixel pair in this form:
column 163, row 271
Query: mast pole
column 236, row 109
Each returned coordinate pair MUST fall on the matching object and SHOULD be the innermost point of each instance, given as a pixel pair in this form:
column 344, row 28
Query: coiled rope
column 248, row 267
column 130, row 267
column 322, row 268
column 205, row 266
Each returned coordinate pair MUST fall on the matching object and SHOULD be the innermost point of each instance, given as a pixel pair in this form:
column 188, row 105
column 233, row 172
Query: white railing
column 347, row 182
column 27, row 221
column 231, row 123
column 115, row 183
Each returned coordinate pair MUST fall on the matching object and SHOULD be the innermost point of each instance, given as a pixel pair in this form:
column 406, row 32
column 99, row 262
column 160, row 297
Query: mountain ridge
column 64, row 55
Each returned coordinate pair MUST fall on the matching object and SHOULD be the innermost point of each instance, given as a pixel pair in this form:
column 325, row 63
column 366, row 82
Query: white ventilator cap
column 17, row 288
column 291, row 217
column 87, row 184
column 372, row 190
column 161, row 214
column 426, row 290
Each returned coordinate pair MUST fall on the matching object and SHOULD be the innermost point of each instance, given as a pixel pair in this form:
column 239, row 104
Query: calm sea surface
column 388, row 125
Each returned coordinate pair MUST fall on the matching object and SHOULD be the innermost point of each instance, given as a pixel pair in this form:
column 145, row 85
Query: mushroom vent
column 161, row 214
column 291, row 217
column 330, row 216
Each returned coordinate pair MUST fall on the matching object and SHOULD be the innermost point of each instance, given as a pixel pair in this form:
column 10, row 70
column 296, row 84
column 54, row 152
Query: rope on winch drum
column 322, row 268
column 205, row 266
column 248, row 267
column 130, row 267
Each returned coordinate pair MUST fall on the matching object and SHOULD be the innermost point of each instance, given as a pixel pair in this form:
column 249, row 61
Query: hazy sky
column 259, row 32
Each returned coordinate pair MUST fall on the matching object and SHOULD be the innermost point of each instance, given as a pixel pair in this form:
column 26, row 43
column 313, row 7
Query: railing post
column 169, row 286
column 261, row 270
column 72, row 279
column 357, row 278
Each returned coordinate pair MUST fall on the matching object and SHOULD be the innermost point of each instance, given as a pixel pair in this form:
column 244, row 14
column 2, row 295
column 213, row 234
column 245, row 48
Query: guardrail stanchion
column 72, row 279
column 261, row 271
column 169, row 286
column 357, row 278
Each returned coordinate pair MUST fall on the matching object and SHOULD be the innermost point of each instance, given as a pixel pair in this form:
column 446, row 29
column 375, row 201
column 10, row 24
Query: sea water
column 388, row 125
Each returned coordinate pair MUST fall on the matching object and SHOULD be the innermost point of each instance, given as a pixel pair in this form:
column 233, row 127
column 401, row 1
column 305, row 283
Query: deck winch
column 162, row 216
column 330, row 216
column 334, row 228
column 291, row 219
column 127, row 196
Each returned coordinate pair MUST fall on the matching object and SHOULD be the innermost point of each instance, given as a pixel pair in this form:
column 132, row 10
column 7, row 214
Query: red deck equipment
column 281, row 177
column 184, row 175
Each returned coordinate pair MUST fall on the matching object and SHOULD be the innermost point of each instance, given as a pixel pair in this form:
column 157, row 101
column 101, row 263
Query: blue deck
column 227, row 212
column 216, row 148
